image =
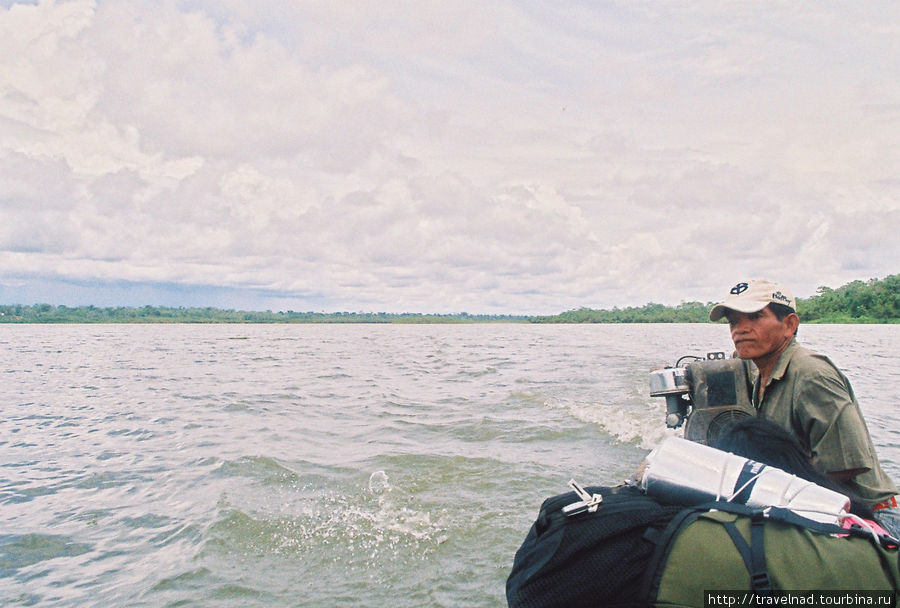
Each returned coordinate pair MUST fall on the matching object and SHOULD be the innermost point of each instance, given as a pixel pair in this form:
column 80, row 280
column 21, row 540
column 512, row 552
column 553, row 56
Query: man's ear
column 792, row 322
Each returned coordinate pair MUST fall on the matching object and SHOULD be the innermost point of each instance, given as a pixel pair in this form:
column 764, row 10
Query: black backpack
column 588, row 559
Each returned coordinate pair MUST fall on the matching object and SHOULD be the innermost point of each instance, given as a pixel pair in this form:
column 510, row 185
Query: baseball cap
column 753, row 296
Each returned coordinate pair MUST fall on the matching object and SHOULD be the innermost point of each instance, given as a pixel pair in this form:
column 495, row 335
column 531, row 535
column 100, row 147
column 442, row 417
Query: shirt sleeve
column 830, row 417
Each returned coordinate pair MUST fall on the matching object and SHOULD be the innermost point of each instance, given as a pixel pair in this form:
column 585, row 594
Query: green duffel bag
column 723, row 554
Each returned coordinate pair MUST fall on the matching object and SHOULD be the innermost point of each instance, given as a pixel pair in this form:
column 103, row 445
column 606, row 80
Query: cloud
column 431, row 156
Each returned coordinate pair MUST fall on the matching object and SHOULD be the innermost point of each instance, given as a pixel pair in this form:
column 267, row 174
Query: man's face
column 758, row 334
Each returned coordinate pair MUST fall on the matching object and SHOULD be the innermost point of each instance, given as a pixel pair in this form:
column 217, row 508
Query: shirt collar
column 783, row 360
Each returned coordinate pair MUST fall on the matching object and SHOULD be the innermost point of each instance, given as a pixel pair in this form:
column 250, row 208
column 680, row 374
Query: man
column 805, row 393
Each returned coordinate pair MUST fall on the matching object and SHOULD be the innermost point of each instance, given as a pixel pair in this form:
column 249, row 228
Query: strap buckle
column 588, row 502
column 760, row 583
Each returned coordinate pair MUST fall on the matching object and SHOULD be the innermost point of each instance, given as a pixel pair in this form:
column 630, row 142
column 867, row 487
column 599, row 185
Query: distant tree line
column 686, row 312
column 46, row 313
column 873, row 301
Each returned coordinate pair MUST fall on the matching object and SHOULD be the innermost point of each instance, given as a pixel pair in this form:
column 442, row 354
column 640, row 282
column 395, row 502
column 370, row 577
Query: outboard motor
column 709, row 394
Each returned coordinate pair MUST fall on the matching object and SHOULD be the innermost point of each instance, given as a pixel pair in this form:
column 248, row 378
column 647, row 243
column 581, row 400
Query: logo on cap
column 780, row 296
column 739, row 289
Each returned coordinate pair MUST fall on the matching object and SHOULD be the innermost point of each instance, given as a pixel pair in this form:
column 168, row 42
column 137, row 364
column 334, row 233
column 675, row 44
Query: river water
column 328, row 465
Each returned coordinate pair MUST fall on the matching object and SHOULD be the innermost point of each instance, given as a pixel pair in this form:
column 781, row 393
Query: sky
column 511, row 157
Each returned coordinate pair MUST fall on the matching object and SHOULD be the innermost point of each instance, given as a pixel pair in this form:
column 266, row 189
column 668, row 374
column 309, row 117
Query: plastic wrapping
column 681, row 471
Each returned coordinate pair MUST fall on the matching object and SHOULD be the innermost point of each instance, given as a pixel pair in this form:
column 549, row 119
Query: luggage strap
column 754, row 554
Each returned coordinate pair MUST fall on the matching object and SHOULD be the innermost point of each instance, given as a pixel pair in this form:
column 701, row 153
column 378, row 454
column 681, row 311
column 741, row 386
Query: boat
column 697, row 526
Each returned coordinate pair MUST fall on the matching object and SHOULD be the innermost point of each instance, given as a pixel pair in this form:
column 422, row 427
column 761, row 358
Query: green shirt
column 808, row 395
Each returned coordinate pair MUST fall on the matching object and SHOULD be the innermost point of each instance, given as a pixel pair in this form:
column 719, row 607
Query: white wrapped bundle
column 681, row 471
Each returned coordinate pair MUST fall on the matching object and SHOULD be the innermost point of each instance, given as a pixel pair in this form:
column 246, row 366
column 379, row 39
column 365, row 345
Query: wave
column 19, row 551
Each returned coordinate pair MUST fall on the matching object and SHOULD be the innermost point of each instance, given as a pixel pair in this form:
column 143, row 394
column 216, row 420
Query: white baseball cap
column 753, row 296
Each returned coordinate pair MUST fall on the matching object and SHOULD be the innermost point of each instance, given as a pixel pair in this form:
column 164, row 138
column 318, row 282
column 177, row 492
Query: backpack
column 635, row 551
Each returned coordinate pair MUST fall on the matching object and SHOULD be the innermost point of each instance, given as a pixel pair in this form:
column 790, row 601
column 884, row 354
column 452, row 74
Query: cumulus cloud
column 431, row 156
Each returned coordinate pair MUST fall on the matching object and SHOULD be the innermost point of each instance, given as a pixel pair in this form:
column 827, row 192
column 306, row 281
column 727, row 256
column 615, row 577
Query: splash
column 366, row 529
column 378, row 483
column 632, row 421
